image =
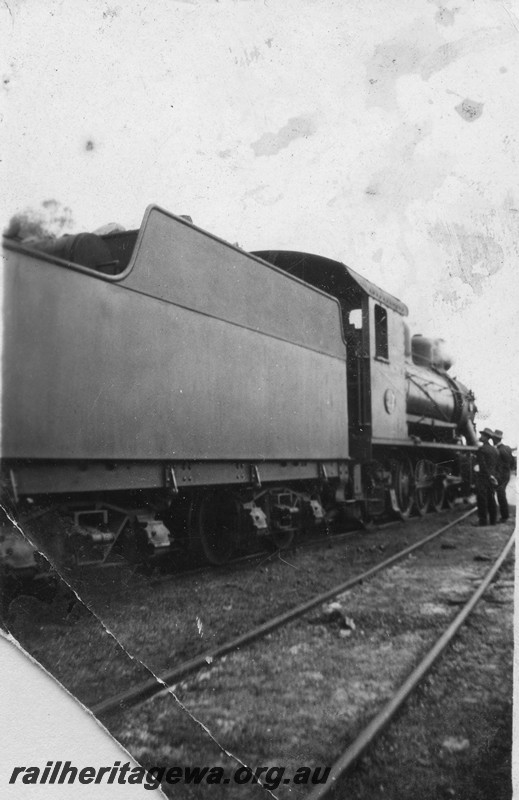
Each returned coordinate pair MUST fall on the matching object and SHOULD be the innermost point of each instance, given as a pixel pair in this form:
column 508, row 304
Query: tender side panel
column 94, row 370
column 185, row 265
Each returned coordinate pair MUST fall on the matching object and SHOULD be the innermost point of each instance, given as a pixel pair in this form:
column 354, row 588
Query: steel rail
column 149, row 688
column 381, row 720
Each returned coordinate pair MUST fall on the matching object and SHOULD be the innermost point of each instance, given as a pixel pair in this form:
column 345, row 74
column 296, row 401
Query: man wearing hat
column 505, row 463
column 486, row 468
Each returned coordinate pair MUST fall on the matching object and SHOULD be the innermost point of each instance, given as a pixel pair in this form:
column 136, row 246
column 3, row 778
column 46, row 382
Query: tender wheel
column 423, row 490
column 216, row 526
column 403, row 485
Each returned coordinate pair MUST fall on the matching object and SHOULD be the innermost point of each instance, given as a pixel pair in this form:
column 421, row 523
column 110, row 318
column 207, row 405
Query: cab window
column 381, row 339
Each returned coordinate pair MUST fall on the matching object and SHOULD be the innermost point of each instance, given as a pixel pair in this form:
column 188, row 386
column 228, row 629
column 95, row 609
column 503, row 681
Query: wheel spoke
column 403, row 484
column 438, row 490
column 422, row 496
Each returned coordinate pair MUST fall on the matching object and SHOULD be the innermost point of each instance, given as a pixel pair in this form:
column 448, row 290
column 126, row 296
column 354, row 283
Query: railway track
column 147, row 689
column 379, row 723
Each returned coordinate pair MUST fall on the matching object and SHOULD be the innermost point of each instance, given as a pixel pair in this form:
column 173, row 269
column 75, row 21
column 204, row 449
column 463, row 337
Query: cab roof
column 331, row 276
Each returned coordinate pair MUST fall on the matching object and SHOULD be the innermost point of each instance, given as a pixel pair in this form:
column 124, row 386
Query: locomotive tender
column 162, row 387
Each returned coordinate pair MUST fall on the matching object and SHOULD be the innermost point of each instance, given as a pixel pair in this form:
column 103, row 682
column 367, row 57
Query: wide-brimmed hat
column 498, row 434
column 486, row 432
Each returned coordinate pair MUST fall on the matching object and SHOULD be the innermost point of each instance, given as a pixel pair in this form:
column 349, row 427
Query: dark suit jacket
column 487, row 458
column 505, row 462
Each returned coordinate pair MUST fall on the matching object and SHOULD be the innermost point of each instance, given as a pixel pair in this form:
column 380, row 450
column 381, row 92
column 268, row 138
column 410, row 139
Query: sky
column 380, row 134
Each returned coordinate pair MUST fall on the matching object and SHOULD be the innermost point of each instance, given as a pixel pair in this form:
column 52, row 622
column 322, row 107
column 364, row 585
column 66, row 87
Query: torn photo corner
column 60, row 738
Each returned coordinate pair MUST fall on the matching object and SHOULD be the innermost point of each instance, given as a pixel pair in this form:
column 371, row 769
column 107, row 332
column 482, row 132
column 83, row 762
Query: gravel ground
column 299, row 696
column 74, row 647
column 162, row 622
column 453, row 740
column 135, row 608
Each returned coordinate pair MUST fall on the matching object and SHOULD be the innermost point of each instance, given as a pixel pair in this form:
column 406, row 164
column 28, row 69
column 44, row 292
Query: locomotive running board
column 416, row 443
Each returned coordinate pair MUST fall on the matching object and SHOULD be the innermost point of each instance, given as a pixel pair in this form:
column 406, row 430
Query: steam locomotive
column 163, row 388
